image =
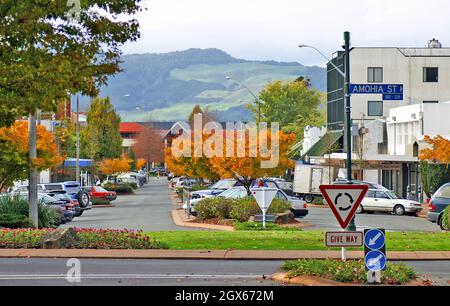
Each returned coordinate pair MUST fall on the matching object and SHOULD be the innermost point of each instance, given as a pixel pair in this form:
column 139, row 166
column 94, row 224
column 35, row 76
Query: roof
column 324, row 144
column 131, row 127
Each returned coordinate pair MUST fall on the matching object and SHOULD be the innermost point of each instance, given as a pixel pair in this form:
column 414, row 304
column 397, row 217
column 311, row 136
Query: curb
column 211, row 255
column 103, row 206
column 180, row 219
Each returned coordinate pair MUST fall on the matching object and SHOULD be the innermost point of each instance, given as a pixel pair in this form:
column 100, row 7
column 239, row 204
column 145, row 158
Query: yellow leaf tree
column 439, row 151
column 115, row 166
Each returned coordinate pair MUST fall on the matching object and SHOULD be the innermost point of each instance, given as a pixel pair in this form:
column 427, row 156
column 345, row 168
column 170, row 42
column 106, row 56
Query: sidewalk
column 216, row 254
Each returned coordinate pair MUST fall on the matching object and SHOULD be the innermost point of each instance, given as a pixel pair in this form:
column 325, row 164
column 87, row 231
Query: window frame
column 369, row 74
column 425, row 79
column 368, row 108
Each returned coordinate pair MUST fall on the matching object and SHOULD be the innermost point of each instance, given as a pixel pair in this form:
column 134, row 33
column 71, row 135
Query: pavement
column 155, row 272
column 149, row 209
column 323, row 219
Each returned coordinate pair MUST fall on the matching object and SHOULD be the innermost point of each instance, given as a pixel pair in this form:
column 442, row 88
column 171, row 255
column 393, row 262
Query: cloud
column 271, row 29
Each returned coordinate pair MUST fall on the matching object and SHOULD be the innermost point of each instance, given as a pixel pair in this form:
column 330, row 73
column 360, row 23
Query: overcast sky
column 271, row 29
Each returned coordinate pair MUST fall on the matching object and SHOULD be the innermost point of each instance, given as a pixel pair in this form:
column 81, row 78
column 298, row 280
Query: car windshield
column 223, row 184
column 285, row 185
column 444, row 192
column 100, row 189
column 394, row 195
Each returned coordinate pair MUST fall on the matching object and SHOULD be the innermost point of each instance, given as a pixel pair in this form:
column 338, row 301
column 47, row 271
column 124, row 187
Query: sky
column 272, row 29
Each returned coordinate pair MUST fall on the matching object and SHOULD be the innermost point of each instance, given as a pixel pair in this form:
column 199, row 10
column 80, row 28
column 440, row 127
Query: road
column 148, row 210
column 102, row 272
column 323, row 219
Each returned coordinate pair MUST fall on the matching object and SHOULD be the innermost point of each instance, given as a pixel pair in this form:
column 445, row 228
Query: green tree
column 132, row 157
column 101, row 138
column 292, row 104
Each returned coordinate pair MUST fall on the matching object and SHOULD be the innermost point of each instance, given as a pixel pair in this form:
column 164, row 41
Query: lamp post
column 347, row 96
column 251, row 92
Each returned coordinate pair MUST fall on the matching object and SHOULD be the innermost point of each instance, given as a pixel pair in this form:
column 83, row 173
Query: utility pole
column 33, row 174
column 77, row 167
column 348, row 120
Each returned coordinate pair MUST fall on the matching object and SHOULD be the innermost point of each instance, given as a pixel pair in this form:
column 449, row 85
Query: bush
column 15, row 221
column 243, row 209
column 279, row 206
column 433, row 176
column 351, row 271
column 124, row 188
column 256, row 226
column 18, row 206
column 446, row 219
column 211, row 208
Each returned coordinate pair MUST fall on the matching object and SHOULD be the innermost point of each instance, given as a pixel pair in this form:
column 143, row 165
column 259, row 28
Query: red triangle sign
column 344, row 200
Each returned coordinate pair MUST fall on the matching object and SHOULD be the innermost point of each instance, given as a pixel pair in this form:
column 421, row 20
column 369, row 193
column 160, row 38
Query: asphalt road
column 148, row 210
column 323, row 219
column 100, row 272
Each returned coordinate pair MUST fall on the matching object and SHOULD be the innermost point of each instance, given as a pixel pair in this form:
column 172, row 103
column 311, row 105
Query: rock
column 285, row 218
column 60, row 239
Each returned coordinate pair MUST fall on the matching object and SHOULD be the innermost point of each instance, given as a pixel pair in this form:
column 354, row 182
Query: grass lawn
column 289, row 240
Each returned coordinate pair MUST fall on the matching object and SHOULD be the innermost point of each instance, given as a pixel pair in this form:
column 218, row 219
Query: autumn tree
column 150, row 146
column 439, row 151
column 115, row 166
column 101, row 138
column 14, row 164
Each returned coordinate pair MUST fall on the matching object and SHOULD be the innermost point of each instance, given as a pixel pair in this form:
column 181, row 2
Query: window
column 370, row 194
column 381, row 195
column 375, row 75
column 430, row 74
column 375, row 108
column 280, row 196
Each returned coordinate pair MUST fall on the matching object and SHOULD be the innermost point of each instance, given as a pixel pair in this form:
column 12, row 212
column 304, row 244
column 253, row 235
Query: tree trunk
column 33, row 174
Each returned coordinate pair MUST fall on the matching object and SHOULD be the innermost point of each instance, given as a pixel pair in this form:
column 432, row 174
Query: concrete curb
column 179, row 218
column 213, row 255
column 103, row 206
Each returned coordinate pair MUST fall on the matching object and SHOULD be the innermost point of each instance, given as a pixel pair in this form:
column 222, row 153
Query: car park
column 299, row 207
column 100, row 195
column 438, row 203
column 378, row 200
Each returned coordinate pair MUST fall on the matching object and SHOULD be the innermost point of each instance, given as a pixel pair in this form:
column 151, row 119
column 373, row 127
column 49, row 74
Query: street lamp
column 251, row 92
column 346, row 76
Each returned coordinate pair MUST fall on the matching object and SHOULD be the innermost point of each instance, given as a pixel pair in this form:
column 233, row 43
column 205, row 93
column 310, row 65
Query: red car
column 100, row 195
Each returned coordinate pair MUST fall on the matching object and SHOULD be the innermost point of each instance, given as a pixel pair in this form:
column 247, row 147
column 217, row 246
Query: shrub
column 433, row 176
column 243, row 209
column 279, row 206
column 351, row 271
column 17, row 205
column 446, row 219
column 256, row 226
column 124, row 188
column 15, row 221
column 210, row 208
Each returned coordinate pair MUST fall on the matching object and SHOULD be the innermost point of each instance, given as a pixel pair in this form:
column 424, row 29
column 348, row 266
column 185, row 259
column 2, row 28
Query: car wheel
column 360, row 210
column 439, row 222
column 308, row 198
column 399, row 210
column 83, row 199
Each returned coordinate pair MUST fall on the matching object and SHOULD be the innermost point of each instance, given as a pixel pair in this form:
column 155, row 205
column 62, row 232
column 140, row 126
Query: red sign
column 344, row 200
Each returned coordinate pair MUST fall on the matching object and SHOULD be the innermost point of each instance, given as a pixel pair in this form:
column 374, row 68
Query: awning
column 325, row 143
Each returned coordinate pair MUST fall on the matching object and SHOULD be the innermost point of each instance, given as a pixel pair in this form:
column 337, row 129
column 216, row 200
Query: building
column 129, row 132
column 398, row 95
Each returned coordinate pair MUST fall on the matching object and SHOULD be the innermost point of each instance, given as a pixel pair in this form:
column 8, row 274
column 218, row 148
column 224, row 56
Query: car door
column 368, row 203
column 383, row 201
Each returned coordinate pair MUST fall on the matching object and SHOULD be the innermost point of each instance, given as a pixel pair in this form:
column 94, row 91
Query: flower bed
column 90, row 239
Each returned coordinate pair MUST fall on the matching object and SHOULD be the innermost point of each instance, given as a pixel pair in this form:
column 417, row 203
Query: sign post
column 343, row 201
column 264, row 197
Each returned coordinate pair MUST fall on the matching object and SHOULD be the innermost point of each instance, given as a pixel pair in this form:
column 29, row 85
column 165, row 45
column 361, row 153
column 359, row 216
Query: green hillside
column 166, row 86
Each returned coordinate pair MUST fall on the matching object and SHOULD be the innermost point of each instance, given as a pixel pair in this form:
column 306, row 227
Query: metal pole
column 348, row 120
column 77, row 167
column 264, row 210
column 33, row 174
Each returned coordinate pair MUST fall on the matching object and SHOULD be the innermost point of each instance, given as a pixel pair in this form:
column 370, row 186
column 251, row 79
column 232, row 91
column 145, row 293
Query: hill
column 166, row 86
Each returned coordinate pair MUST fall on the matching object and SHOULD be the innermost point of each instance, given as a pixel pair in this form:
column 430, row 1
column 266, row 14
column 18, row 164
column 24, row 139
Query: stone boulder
column 285, row 218
column 60, row 239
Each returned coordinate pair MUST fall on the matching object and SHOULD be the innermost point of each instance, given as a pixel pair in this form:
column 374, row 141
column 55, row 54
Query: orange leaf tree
column 115, row 166
column 14, row 163
column 439, row 151
column 247, row 161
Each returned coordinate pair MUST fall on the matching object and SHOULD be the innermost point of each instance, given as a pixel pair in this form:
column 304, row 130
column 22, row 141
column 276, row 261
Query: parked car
column 287, row 187
column 65, row 209
column 100, row 195
column 215, row 189
column 437, row 204
column 377, row 200
column 63, row 196
column 74, row 190
column 371, row 185
column 299, row 207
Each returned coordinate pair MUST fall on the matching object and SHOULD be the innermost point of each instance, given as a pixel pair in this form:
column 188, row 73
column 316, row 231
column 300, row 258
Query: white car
column 299, row 207
column 387, row 201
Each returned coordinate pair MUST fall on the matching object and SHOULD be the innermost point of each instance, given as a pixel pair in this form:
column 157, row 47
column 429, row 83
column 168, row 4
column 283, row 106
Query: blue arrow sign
column 374, row 239
column 375, row 261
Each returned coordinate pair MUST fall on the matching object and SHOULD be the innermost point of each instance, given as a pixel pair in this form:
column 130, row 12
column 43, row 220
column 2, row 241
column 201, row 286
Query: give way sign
column 264, row 197
column 344, row 200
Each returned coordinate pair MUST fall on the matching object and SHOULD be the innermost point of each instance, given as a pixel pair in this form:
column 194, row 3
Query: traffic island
column 332, row 272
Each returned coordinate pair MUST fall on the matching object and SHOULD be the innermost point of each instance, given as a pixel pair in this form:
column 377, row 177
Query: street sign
column 344, row 239
column 390, row 92
column 375, row 249
column 375, row 261
column 344, row 200
column 264, row 197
